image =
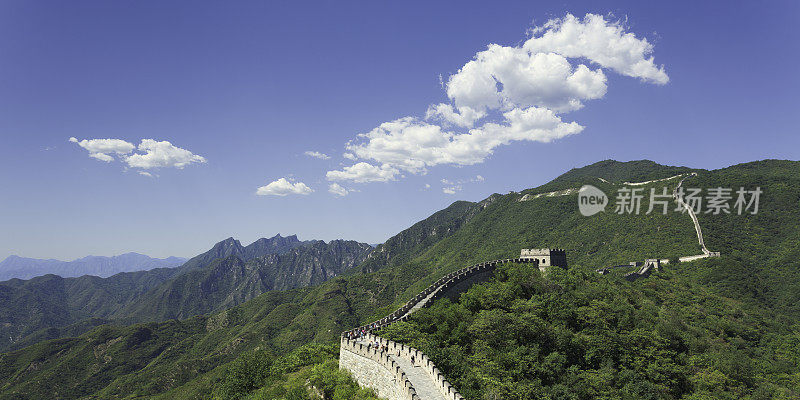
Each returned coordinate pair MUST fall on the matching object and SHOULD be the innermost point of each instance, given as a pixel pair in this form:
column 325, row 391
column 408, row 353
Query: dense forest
column 577, row 335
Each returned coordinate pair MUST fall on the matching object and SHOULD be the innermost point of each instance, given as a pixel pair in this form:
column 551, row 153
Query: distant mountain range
column 50, row 306
column 27, row 268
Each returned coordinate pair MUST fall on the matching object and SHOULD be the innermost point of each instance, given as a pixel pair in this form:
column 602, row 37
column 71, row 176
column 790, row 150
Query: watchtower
column 546, row 257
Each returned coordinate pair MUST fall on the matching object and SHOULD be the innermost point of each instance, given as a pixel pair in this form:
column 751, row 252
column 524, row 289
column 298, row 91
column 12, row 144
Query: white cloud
column 337, row 189
column 602, row 41
column 100, row 148
column 162, row 154
column 151, row 153
column 283, row 187
column 145, row 173
column 413, row 145
column 316, row 154
column 363, row 172
column 102, row 157
column 427, row 186
column 519, row 92
column 479, row 178
column 464, row 116
column 507, row 77
column 451, row 189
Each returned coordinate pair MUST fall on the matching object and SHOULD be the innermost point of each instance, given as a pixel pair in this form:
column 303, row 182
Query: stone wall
column 373, row 368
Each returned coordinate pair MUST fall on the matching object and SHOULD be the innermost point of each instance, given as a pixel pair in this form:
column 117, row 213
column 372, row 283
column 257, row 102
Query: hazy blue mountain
column 27, row 268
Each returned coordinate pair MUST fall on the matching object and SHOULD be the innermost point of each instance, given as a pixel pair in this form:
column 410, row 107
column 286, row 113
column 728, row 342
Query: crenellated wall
column 375, row 369
column 372, row 367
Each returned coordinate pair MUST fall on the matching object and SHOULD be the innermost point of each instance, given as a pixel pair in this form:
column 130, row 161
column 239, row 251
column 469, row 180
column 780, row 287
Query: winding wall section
column 391, row 372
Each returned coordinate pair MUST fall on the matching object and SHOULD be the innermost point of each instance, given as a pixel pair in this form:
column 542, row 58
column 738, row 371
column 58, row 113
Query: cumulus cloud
column 413, row 145
column 507, row 77
column 161, row 154
column 282, row 187
column 316, row 154
column 364, row 172
column 463, row 116
column 149, row 154
column 600, row 40
column 102, row 149
column 506, row 94
column 337, row 189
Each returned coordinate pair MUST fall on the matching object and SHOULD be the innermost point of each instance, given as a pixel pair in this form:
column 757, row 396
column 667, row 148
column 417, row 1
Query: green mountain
column 50, row 307
column 229, row 281
column 714, row 328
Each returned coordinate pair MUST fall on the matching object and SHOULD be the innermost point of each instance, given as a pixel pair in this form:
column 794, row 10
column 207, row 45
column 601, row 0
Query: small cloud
column 151, row 153
column 101, row 149
column 338, row 189
column 349, row 156
column 364, row 172
column 427, row 186
column 145, row 173
column 162, row 154
column 316, row 154
column 283, row 187
column 450, row 190
column 102, row 157
column 479, row 178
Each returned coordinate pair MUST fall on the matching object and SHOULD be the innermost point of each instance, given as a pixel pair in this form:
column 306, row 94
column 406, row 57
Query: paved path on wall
column 421, row 303
column 691, row 214
column 423, row 383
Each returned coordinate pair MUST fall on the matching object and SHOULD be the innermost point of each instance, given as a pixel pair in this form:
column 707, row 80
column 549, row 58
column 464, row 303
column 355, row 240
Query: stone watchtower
column 546, row 257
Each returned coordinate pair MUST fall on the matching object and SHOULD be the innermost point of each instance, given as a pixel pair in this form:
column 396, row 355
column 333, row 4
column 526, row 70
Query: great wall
column 399, row 372
column 388, row 368
column 655, row 264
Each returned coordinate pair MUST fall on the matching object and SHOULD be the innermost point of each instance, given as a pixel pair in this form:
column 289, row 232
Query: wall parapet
column 350, row 342
column 383, row 359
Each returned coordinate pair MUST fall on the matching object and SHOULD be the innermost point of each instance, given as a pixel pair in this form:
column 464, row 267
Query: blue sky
column 242, row 90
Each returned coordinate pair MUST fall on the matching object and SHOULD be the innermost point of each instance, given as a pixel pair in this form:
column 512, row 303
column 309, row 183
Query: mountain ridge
column 15, row 266
column 48, row 306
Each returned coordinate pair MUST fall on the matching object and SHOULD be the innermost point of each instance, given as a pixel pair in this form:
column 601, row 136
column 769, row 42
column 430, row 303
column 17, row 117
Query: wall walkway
column 387, row 368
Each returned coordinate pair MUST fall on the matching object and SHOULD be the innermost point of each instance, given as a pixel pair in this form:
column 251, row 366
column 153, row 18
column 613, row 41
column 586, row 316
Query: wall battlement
column 377, row 369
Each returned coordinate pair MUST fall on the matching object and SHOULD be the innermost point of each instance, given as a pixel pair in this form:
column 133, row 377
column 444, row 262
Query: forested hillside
column 720, row 326
column 50, row 307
